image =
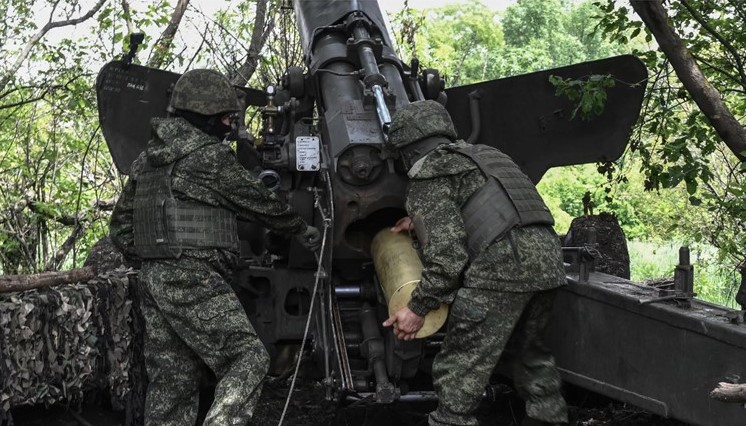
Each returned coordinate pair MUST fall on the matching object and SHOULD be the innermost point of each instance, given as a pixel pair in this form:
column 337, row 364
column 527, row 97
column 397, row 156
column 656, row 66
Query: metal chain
column 319, row 274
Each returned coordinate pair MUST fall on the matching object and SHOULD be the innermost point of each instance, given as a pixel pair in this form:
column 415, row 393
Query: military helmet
column 205, row 92
column 420, row 120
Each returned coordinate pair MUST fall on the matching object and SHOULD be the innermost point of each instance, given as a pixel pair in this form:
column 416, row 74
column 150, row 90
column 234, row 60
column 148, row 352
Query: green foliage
column 561, row 33
column 643, row 215
column 562, row 219
column 566, row 186
column 589, row 94
column 713, row 281
column 469, row 43
column 542, row 17
column 651, row 261
column 461, row 40
column 57, row 180
column 673, row 141
column 55, row 167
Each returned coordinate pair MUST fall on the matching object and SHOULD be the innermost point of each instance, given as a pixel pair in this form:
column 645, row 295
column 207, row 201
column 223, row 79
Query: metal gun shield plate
column 524, row 118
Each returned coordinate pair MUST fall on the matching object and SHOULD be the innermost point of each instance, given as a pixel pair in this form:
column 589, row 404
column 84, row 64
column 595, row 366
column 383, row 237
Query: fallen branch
column 729, row 392
column 45, row 279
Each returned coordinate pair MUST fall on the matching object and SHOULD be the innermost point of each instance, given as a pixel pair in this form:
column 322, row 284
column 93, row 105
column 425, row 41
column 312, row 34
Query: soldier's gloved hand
column 311, row 238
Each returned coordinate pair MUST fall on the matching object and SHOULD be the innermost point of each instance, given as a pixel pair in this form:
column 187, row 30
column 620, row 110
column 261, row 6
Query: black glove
column 311, row 238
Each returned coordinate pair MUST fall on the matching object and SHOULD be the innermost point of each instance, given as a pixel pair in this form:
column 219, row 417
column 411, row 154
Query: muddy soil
column 309, row 407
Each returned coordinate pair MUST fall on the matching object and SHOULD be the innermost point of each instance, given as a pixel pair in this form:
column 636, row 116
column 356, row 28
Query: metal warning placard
column 307, row 156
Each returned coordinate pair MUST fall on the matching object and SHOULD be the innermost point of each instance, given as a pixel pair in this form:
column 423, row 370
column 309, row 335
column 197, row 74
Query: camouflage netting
column 59, row 344
column 612, row 243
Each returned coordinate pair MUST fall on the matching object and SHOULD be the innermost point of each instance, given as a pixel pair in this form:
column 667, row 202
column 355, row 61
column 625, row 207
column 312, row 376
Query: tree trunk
column 44, row 279
column 258, row 38
column 729, row 392
column 708, row 99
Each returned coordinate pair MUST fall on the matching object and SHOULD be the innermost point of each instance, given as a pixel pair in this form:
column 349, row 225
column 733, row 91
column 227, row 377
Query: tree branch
column 164, row 42
column 44, row 279
column 104, row 205
column 715, row 68
column 258, row 37
column 47, row 90
column 127, row 16
column 738, row 8
column 708, row 99
column 54, row 263
column 64, row 219
column 726, row 44
column 41, row 33
column 199, row 48
column 61, row 218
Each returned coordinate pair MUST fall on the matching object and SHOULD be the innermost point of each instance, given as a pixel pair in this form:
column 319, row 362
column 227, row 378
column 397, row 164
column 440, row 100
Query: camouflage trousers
column 483, row 325
column 193, row 318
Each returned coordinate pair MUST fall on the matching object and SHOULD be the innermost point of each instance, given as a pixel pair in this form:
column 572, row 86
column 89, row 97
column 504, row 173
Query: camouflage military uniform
column 500, row 300
column 192, row 315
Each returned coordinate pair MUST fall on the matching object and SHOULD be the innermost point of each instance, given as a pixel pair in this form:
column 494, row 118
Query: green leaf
column 691, row 186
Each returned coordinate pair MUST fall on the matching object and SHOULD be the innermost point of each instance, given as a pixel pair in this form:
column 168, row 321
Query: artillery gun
column 322, row 147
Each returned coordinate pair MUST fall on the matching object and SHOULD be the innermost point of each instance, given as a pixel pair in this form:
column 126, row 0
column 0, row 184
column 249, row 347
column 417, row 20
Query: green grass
column 713, row 281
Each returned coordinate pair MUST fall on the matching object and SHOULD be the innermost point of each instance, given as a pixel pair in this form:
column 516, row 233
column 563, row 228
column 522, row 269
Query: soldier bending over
column 488, row 250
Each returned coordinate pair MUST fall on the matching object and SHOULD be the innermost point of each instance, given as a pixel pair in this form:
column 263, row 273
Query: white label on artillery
column 307, row 156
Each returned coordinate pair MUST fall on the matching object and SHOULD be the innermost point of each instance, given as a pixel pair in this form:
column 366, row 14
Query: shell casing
column 399, row 271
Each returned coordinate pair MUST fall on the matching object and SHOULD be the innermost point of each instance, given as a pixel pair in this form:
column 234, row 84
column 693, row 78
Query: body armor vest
column 508, row 199
column 164, row 226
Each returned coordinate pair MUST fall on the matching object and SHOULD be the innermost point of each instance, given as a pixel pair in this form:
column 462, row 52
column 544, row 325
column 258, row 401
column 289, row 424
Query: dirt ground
column 309, row 407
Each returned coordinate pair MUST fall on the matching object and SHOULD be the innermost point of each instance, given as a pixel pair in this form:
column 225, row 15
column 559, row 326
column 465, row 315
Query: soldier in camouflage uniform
column 489, row 251
column 178, row 216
